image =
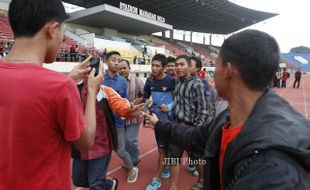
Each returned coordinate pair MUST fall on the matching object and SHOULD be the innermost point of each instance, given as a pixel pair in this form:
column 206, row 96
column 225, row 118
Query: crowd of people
column 281, row 76
column 5, row 47
column 239, row 133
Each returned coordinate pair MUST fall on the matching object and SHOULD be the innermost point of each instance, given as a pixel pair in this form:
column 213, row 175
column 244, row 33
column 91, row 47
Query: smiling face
column 182, row 67
column 124, row 69
column 170, row 68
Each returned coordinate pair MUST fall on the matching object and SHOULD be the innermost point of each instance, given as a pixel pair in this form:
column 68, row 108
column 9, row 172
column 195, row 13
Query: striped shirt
column 190, row 102
column 135, row 89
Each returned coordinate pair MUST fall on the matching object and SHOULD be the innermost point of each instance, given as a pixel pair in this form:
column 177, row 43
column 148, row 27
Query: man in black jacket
column 262, row 142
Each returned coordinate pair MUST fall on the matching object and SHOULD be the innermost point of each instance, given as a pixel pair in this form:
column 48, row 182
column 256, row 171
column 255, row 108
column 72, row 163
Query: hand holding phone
column 95, row 63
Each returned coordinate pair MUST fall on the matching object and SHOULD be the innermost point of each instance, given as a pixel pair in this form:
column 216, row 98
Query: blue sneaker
column 191, row 168
column 196, row 173
column 166, row 173
column 154, row 185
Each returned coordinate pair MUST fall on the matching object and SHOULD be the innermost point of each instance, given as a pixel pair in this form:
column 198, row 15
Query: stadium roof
column 300, row 60
column 108, row 16
column 207, row 16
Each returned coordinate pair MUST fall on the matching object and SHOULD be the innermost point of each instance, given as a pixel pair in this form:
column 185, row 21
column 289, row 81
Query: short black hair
column 187, row 59
column 198, row 62
column 161, row 58
column 255, row 54
column 170, row 59
column 27, row 18
column 112, row 53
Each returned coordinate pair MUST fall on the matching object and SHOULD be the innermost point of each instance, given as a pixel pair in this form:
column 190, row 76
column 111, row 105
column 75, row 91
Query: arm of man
column 147, row 89
column 87, row 137
column 121, row 106
column 202, row 104
column 271, row 173
column 193, row 139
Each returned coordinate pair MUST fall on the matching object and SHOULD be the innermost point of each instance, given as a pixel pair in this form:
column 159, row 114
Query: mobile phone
column 95, row 63
column 83, row 57
column 149, row 109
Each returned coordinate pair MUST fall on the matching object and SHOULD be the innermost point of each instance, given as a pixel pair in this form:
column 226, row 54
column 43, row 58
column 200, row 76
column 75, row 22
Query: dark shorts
column 161, row 140
column 174, row 154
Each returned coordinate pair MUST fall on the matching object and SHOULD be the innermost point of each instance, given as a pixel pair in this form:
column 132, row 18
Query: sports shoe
column 154, row 185
column 191, row 168
column 198, row 185
column 196, row 173
column 166, row 173
column 133, row 176
column 114, row 184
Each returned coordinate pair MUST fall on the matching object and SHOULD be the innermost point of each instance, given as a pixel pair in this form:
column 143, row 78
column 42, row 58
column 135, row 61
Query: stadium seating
column 6, row 33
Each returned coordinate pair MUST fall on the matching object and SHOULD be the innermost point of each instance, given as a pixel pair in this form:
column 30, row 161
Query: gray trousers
column 131, row 138
column 121, row 151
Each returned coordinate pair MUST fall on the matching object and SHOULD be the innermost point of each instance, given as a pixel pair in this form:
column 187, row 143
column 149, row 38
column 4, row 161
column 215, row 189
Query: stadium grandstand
column 97, row 26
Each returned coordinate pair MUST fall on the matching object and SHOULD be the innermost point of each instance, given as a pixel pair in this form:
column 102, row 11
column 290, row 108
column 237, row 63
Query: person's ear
column 228, row 73
column 51, row 29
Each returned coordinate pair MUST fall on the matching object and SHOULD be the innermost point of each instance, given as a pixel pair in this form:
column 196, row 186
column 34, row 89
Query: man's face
column 193, row 68
column 157, row 68
column 219, row 79
column 113, row 63
column 56, row 36
column 170, row 68
column 182, row 67
column 124, row 69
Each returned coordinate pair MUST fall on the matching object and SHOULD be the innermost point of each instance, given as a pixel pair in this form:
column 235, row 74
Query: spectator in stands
column 8, row 47
column 297, row 78
column 143, row 60
column 284, row 77
column 105, row 53
column 161, row 88
column 144, row 52
column 72, row 53
column 132, row 126
column 2, row 48
column 67, row 55
column 135, row 60
column 41, row 112
column 90, row 167
column 262, row 142
column 119, row 84
column 170, row 68
column 140, row 61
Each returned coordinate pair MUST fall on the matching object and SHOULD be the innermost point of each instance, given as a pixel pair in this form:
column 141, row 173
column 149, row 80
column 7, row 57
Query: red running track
column 298, row 98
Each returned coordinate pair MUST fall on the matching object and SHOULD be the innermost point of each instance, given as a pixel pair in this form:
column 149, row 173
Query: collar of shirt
column 107, row 76
column 129, row 78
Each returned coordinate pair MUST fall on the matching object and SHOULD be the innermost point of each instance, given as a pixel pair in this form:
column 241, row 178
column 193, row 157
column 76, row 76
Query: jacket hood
column 273, row 124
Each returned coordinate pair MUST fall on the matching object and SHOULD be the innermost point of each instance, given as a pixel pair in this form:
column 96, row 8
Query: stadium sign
column 143, row 13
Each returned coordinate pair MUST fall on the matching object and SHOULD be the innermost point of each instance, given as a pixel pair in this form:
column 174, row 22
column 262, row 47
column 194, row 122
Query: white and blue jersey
column 161, row 91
